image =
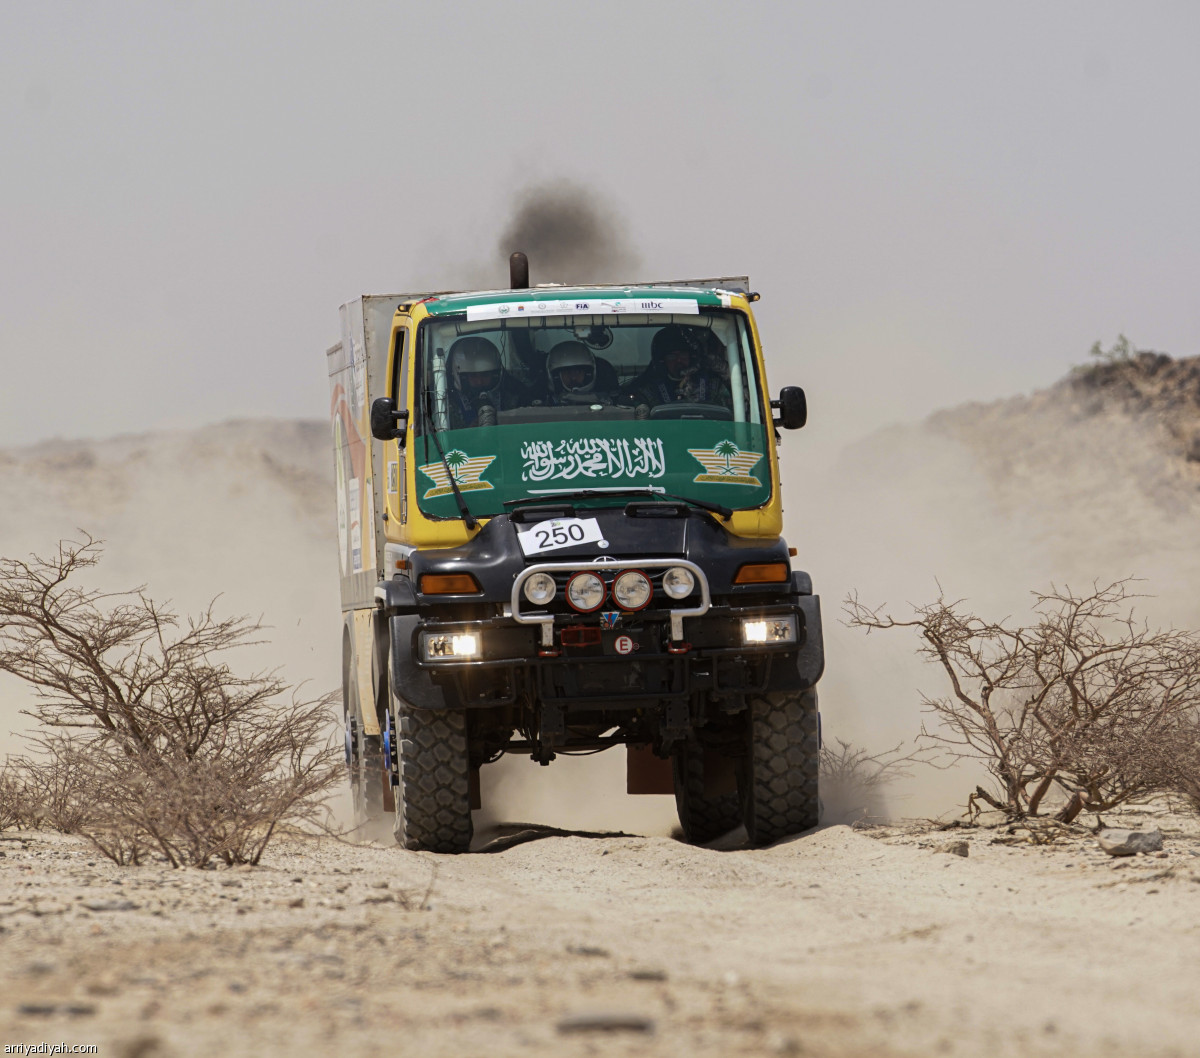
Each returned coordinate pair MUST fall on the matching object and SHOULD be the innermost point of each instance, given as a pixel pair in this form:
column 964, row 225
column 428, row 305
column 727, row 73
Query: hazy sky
column 939, row 202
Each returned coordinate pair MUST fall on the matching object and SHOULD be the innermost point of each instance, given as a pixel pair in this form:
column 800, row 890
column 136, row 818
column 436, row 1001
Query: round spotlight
column 632, row 590
column 678, row 582
column 585, row 592
column 539, row 589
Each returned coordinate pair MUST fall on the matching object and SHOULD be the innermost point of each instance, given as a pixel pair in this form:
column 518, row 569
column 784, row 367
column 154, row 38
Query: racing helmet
column 571, row 368
column 474, row 364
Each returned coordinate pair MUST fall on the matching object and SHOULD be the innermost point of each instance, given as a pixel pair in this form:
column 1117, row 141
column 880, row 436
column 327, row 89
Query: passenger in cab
column 682, row 367
column 479, row 386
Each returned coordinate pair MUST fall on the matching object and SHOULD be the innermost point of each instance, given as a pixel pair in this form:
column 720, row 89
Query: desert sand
column 840, row 941
column 837, row 942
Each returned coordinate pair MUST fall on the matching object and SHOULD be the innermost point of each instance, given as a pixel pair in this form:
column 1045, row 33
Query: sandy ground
column 838, row 942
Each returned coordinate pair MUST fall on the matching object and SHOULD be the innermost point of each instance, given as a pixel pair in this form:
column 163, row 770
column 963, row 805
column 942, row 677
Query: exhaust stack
column 518, row 271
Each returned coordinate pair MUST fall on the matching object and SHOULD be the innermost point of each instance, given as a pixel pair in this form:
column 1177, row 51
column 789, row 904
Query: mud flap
column 646, row 773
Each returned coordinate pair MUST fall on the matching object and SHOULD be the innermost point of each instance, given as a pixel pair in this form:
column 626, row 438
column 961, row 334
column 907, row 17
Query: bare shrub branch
column 1086, row 700
column 1182, row 764
column 116, row 661
column 157, row 745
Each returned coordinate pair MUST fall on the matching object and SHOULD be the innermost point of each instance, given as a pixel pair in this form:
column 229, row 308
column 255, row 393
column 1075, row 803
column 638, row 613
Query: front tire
column 778, row 779
column 705, row 811
column 433, row 800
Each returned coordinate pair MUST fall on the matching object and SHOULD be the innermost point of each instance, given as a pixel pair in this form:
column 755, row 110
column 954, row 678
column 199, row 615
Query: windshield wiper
column 645, row 490
column 468, row 518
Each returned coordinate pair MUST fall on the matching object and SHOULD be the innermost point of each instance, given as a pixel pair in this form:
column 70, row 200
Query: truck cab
column 560, row 524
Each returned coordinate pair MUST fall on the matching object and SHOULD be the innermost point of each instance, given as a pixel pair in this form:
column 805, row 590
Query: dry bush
column 51, row 794
column 1183, row 765
column 155, row 744
column 1085, row 700
column 14, row 798
column 854, row 782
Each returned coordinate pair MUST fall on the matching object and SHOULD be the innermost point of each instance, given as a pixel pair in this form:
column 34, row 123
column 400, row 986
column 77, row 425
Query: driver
column 478, row 383
column 678, row 370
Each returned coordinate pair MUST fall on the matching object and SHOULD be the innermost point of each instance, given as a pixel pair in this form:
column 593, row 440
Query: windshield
column 516, row 408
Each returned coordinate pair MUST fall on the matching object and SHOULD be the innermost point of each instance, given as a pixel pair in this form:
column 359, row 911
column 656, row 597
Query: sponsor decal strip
column 584, row 306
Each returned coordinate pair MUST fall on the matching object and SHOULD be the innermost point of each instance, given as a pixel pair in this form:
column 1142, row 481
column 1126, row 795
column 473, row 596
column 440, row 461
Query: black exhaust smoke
column 571, row 236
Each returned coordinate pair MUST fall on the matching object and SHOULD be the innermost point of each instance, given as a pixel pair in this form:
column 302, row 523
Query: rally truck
column 544, row 562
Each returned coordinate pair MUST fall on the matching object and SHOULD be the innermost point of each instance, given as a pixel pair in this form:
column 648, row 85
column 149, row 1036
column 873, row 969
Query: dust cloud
column 989, row 501
column 985, row 503
column 569, row 234
column 242, row 512
column 573, row 793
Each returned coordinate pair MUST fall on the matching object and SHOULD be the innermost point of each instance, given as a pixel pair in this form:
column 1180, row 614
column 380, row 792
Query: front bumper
column 602, row 670
column 581, row 637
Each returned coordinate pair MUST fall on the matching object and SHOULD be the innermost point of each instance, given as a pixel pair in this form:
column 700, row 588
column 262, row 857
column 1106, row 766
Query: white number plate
column 554, row 533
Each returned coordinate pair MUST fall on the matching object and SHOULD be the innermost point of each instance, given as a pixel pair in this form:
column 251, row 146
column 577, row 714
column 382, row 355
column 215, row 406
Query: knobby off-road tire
column 778, row 779
column 433, row 801
column 703, row 814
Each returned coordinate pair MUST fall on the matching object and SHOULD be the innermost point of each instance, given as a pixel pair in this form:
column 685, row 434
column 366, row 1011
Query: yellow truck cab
column 559, row 520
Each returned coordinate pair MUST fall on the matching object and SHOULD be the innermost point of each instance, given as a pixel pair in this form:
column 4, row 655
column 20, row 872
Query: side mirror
column 793, row 408
column 387, row 424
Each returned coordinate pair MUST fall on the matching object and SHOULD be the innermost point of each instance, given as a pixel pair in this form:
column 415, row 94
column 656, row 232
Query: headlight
column 540, row 589
column 769, row 630
column 585, row 591
column 678, row 582
column 450, row 646
column 632, row 590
